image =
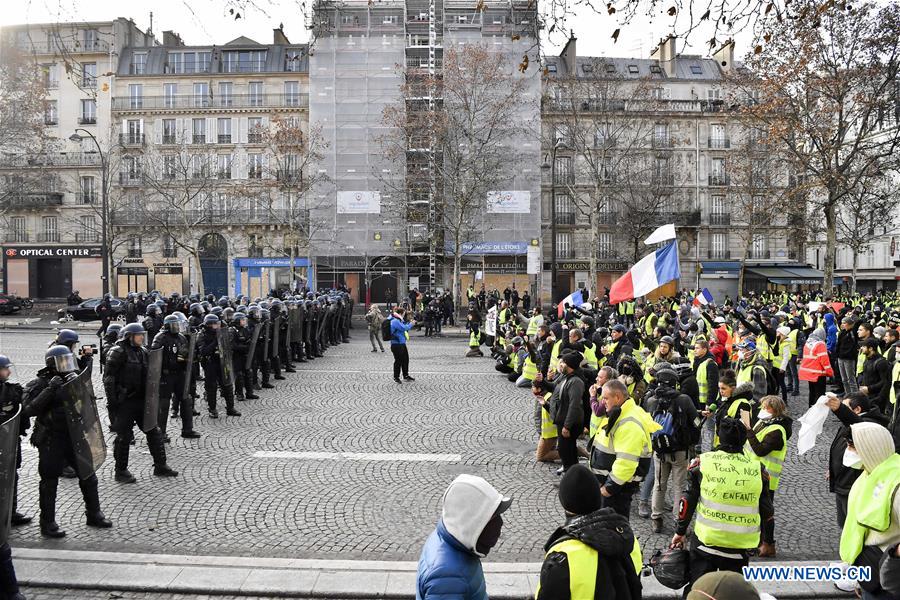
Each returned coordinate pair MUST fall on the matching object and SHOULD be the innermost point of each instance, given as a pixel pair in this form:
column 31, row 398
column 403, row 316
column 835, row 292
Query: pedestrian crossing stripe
column 365, row 456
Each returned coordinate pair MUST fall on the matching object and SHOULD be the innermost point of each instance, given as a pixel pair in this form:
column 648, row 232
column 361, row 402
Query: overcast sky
column 207, row 22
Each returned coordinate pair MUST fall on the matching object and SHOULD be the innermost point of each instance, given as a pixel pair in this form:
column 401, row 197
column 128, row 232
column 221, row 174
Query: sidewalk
column 289, row 578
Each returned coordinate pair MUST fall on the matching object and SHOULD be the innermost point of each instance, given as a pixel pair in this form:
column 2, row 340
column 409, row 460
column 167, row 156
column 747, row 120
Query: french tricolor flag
column 652, row 271
column 703, row 298
column 576, row 298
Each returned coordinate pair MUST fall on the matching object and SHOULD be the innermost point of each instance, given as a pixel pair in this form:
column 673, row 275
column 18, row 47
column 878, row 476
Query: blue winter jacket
column 448, row 571
column 831, row 333
column 398, row 330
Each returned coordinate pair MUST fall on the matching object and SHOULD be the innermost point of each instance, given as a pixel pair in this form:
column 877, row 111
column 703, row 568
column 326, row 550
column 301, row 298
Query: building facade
column 206, row 194
column 643, row 142
column 52, row 188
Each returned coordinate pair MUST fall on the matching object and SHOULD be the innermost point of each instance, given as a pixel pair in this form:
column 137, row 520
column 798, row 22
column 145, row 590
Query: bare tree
column 455, row 134
column 870, row 206
column 825, row 91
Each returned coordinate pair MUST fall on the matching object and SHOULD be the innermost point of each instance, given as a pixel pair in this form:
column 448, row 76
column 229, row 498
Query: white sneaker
column 845, row 585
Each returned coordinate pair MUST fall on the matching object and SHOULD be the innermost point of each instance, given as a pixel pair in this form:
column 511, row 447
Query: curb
column 294, row 578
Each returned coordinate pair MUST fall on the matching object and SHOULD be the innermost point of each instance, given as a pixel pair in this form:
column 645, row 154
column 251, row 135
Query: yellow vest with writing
column 728, row 509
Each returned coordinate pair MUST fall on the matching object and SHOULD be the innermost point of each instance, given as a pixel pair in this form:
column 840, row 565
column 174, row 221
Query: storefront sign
column 358, row 202
column 534, row 260
column 128, row 260
column 358, row 263
column 270, row 262
column 53, row 252
column 603, row 266
column 480, row 248
column 509, row 202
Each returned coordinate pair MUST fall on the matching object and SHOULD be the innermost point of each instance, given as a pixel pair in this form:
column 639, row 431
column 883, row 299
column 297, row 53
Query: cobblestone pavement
column 226, row 501
column 36, row 593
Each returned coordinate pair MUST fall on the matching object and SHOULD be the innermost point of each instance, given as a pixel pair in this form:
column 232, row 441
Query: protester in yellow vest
column 767, row 441
column 588, row 557
column 873, row 510
column 546, row 449
column 733, row 400
column 729, row 491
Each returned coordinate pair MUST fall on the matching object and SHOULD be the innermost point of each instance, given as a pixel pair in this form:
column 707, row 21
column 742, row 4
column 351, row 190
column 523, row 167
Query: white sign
column 490, row 324
column 358, row 202
column 509, row 202
column 414, row 283
column 479, row 275
column 534, row 260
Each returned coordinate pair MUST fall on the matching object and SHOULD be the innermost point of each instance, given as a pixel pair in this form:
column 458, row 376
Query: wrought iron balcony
column 58, row 159
column 87, row 238
column 64, row 46
column 662, row 142
column 132, row 139
column 36, row 199
column 16, row 237
column 719, row 179
column 565, row 218
column 190, row 101
column 130, row 178
column 48, row 236
column 719, row 219
column 718, row 143
column 719, row 254
column 87, row 120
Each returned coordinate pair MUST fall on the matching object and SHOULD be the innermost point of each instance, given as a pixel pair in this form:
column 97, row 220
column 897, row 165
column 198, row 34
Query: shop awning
column 798, row 275
column 721, row 266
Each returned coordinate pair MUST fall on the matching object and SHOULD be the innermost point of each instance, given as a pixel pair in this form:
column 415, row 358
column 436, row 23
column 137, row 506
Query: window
column 201, row 94
column 224, row 171
column 170, row 92
column 168, row 131
column 136, row 95
column 551, row 68
column 225, row 96
column 696, row 70
column 51, row 115
column 610, row 68
column 256, row 93
column 292, row 60
column 658, row 93
column 655, row 69
column 50, row 76
column 91, row 39
column 255, row 130
column 717, row 205
column 138, row 63
column 88, row 227
column 602, row 136
column 133, row 131
column 292, row 93
column 170, row 165
column 718, row 245
column 661, row 137
column 605, row 249
column 717, row 175
column 564, row 245
column 89, row 75
column 134, row 247
column 224, row 131
column 713, row 94
column 198, row 130
column 50, row 226
column 563, row 135
column 759, row 248
column 131, row 167
column 565, row 210
column 255, row 245
column 564, row 173
column 587, row 68
column 170, row 249
column 255, row 166
column 243, row 61
column 199, row 166
column 633, row 69
column 188, row 62
column 389, row 20
column 717, row 138
column 17, row 227
column 88, row 190
column 88, row 112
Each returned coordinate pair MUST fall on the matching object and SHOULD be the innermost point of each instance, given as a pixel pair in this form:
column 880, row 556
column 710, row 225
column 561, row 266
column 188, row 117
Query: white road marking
column 370, row 456
column 376, row 372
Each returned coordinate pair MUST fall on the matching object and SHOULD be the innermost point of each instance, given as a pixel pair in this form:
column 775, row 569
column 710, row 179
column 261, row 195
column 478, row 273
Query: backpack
column 386, row 329
column 676, row 432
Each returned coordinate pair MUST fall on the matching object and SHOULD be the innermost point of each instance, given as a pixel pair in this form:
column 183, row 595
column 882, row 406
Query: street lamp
column 104, row 167
column 552, row 168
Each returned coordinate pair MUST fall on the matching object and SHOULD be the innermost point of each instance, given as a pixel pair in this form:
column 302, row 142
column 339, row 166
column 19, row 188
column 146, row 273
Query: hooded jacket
column 831, row 332
column 450, row 567
column 841, row 478
column 611, row 536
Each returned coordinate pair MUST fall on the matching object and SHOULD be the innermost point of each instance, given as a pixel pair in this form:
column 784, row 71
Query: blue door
column 214, row 262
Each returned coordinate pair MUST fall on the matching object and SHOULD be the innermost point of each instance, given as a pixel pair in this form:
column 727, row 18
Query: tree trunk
column 830, row 243
column 200, row 289
column 457, row 267
column 595, row 249
column 743, row 267
column 855, row 266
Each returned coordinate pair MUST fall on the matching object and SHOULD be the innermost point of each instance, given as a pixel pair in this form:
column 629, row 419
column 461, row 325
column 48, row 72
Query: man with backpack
column 395, row 331
column 676, row 415
column 754, row 369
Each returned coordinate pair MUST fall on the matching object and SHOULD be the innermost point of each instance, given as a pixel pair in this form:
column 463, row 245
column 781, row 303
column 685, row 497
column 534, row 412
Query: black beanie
column 732, row 433
column 572, row 359
column 579, row 491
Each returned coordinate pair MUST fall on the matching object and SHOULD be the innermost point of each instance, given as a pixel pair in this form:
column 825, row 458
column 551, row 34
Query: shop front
column 52, row 271
column 497, row 273
column 256, row 277
column 145, row 274
column 720, row 278
column 575, row 274
column 385, row 276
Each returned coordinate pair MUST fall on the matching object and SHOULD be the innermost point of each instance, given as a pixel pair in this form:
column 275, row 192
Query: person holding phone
column 399, row 334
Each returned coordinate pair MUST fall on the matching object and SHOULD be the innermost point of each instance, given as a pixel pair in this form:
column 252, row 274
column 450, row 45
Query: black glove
column 57, row 381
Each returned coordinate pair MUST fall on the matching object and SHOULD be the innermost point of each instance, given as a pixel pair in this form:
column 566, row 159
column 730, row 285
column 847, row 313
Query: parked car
column 10, row 303
column 87, row 310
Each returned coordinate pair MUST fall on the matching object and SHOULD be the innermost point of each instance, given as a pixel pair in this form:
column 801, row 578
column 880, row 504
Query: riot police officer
column 258, row 319
column 210, row 346
column 241, row 340
column 275, row 318
column 46, row 399
column 109, row 339
column 125, row 381
column 69, row 339
column 176, row 363
column 10, row 402
column 154, row 321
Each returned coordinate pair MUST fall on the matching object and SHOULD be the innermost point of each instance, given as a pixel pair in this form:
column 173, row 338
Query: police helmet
column 131, row 330
column 228, row 313
column 683, row 370
column 60, row 359
column 216, row 310
column 666, row 377
column 223, row 301
column 113, row 330
column 667, row 339
column 264, row 314
column 206, row 306
column 152, row 310
column 239, row 318
column 671, row 567
column 196, row 309
column 172, row 324
column 5, row 363
column 66, row 337
column 264, row 304
column 254, row 312
column 107, row 296
column 210, row 319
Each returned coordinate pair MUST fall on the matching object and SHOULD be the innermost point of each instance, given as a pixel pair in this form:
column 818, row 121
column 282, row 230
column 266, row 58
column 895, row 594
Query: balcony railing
column 151, row 217
column 130, row 179
column 681, row 218
column 760, row 255
column 224, row 138
column 87, row 198
column 168, row 140
column 719, row 179
column 717, row 143
column 16, row 237
column 719, row 254
column 87, row 120
column 719, row 219
column 64, row 46
column 254, row 138
column 87, row 238
column 132, row 139
column 662, row 179
column 32, row 200
column 565, row 218
column 224, row 174
column 607, row 218
column 564, row 178
column 135, row 253
column 288, row 175
column 606, row 254
column 198, row 139
column 48, row 236
column 60, row 159
column 51, row 121
column 662, row 141
column 293, row 100
column 585, row 104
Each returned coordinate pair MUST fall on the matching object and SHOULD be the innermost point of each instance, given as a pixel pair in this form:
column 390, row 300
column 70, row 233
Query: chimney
column 278, row 37
column 170, row 38
column 724, row 56
column 570, row 55
column 665, row 54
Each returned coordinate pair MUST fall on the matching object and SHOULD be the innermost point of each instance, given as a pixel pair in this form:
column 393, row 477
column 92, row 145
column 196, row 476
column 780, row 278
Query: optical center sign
column 354, row 203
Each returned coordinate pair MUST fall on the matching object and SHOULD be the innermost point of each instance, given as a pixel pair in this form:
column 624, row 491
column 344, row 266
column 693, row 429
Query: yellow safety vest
column 590, row 356
column 554, row 355
column 745, row 374
column 473, row 340
column 732, row 411
column 583, row 562
column 860, row 363
column 529, row 369
column 625, row 451
column 773, row 461
column 548, row 427
column 629, row 308
column 728, row 510
column 869, row 506
column 533, row 324
column 703, row 379
column 895, row 377
column 792, row 336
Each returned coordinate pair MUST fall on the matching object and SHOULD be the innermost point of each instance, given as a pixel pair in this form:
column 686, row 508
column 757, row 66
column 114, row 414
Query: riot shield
column 288, row 331
column 225, row 356
column 297, row 324
column 84, row 424
column 276, row 335
column 9, row 435
column 265, row 335
column 151, row 390
column 189, row 369
column 254, row 339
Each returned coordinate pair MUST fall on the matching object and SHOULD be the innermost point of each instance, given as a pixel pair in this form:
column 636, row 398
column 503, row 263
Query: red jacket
column 815, row 363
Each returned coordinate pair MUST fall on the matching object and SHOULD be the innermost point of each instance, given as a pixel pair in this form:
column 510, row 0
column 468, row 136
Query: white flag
column 662, row 233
